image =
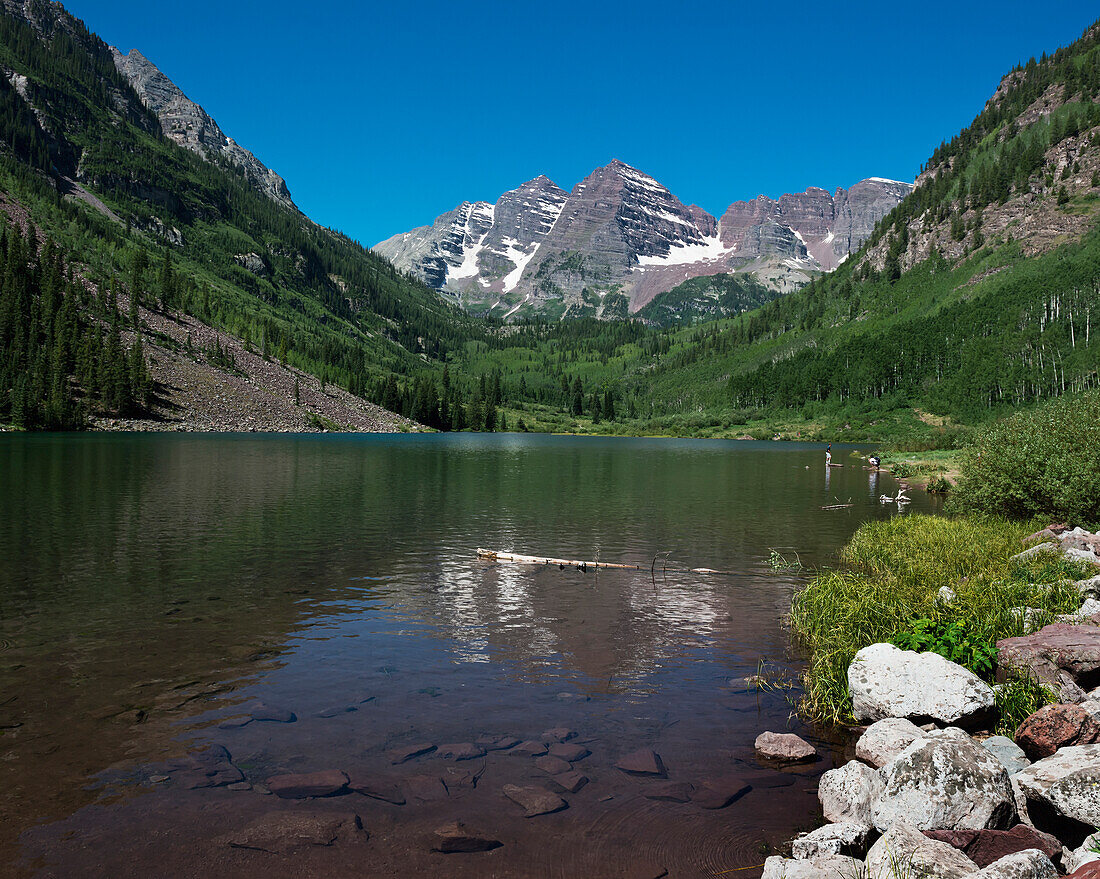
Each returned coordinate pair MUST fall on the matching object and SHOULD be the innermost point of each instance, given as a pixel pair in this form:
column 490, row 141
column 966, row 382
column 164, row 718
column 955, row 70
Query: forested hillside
column 977, row 294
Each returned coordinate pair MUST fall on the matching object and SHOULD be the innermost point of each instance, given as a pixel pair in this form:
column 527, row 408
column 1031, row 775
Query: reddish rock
column 461, row 751
column 717, row 793
column 534, row 800
column 984, row 847
column 529, row 749
column 569, row 753
column 785, row 746
column 497, row 743
column 457, row 837
column 570, row 782
column 552, row 765
column 1055, row 726
column 559, row 734
column 272, row 714
column 643, row 762
column 284, row 832
column 1059, row 647
column 377, row 787
column 426, row 788
column 1089, row 871
column 1039, row 537
column 326, row 783
column 400, row 755
column 670, row 792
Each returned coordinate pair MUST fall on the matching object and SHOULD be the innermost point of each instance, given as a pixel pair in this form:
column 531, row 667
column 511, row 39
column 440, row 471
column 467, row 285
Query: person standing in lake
column 828, row 454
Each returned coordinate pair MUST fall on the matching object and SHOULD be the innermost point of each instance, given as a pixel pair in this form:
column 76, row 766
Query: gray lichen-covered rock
column 1089, row 588
column 1067, row 783
column 823, row 867
column 1029, row 864
column 847, row 793
column 885, row 739
column 887, row 682
column 945, row 781
column 1010, row 754
column 1087, row 853
column 845, row 838
column 1033, row 552
column 905, row 851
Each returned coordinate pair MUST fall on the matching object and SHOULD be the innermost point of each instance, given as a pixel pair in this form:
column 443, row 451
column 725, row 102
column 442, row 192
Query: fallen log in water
column 493, row 555
column 515, row 558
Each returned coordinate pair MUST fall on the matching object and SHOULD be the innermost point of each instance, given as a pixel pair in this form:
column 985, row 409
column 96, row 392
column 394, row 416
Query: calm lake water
column 156, row 589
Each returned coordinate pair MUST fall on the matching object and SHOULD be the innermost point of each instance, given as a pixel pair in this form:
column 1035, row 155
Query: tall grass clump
column 1041, row 462
column 887, row 588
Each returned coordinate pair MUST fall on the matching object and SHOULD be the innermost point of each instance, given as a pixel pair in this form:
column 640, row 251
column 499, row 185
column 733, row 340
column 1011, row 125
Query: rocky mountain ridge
column 620, row 239
column 189, row 125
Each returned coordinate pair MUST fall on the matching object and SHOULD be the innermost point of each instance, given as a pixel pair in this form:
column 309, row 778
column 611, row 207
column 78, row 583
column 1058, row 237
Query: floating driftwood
column 493, row 555
column 838, row 506
column 515, row 558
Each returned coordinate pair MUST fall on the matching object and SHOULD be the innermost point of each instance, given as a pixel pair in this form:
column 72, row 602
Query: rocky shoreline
column 932, row 793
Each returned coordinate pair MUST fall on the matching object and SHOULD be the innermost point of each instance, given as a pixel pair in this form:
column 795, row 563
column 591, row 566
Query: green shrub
column 951, row 639
column 890, row 579
column 1017, row 699
column 1042, row 462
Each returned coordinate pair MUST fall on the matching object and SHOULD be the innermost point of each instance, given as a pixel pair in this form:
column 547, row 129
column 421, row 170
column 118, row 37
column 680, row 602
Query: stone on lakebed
column 408, row 752
column 297, row 786
column 642, row 762
column 785, row 746
column 456, row 837
column 534, row 800
column 284, row 832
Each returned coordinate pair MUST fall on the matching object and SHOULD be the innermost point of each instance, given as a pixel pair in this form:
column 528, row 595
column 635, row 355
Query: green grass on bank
column 888, row 581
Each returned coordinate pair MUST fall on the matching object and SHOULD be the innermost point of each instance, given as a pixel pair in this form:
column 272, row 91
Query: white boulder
column 847, row 793
column 945, row 781
column 824, row 867
column 885, row 739
column 1028, row 864
column 1067, row 782
column 887, row 682
column 833, row 839
column 904, row 851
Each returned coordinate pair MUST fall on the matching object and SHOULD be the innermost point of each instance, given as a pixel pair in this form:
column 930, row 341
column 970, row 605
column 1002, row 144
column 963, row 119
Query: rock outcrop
column 189, row 125
column 620, row 238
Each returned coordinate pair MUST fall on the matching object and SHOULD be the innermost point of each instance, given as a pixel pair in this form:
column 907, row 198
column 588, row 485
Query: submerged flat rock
column 534, row 800
column 285, row 832
column 552, row 765
column 642, row 762
column 497, row 743
column 568, row 752
column 717, row 793
column 408, row 752
column 570, row 782
column 456, row 837
column 377, row 787
column 529, row 749
column 297, row 786
column 670, row 792
column 461, row 751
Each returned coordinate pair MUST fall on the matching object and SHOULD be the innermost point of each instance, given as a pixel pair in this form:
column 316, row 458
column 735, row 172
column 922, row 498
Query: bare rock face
column 620, row 238
column 945, row 781
column 887, row 682
column 1055, row 726
column 191, row 127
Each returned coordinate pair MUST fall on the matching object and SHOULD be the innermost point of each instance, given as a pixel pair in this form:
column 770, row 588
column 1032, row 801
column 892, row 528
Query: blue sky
column 381, row 116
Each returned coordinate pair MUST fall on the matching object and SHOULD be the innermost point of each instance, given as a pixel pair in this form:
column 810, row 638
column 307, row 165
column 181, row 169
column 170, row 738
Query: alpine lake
column 185, row 617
